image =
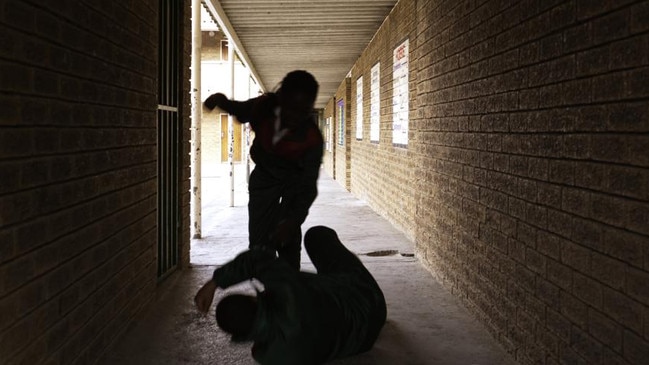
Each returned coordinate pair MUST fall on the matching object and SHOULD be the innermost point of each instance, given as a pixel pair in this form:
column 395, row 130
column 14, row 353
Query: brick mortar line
column 64, row 127
column 121, row 107
column 530, row 134
column 36, row 156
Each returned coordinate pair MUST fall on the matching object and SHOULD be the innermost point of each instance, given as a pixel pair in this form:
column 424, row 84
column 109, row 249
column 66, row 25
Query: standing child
column 287, row 151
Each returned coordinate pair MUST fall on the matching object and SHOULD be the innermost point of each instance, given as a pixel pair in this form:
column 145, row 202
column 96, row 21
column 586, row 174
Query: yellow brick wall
column 382, row 173
column 525, row 182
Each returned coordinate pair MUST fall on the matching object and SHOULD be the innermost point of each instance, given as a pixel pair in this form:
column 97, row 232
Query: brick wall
column 527, row 174
column 342, row 154
column 211, row 48
column 77, row 175
column 211, row 144
column 389, row 191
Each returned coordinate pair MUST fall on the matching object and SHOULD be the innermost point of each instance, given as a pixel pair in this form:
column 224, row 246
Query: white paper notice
column 400, row 94
column 375, row 102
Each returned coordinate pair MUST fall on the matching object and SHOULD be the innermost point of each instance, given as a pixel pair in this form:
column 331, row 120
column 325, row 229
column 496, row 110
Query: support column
column 196, row 215
column 231, row 122
column 246, row 145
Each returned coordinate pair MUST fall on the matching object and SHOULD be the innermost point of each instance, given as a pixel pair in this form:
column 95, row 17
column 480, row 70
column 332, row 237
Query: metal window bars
column 168, row 129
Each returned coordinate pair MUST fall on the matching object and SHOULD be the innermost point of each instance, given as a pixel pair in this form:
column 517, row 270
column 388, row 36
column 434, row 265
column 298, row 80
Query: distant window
column 224, row 50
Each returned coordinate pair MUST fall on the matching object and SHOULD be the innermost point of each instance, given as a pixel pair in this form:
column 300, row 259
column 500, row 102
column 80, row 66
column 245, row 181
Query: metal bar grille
column 168, row 136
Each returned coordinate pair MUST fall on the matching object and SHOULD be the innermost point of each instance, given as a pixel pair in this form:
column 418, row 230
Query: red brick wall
column 77, row 175
column 526, row 178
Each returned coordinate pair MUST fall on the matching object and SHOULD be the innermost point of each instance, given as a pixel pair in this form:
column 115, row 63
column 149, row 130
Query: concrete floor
column 425, row 324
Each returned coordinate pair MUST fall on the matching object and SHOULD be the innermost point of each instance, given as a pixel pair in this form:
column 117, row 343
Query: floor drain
column 382, row 253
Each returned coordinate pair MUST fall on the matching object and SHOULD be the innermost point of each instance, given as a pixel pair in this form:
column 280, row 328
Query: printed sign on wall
column 328, row 134
column 400, row 95
column 340, row 105
column 375, row 102
column 359, row 108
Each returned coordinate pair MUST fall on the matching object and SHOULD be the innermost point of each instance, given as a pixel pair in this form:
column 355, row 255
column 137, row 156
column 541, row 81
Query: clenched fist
column 205, row 295
column 215, row 100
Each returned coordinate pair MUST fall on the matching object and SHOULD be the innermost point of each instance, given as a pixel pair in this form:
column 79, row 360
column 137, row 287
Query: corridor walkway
column 425, row 324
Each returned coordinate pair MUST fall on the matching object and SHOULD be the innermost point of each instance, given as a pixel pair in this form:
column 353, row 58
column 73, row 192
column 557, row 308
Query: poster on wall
column 329, row 143
column 340, row 105
column 400, row 95
column 375, row 102
column 359, row 108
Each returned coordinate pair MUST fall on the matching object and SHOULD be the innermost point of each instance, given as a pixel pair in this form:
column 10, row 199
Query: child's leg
column 331, row 257
column 291, row 249
column 327, row 253
column 263, row 207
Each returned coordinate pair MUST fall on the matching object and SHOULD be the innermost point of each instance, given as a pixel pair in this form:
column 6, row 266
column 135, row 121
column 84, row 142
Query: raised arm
column 245, row 266
column 242, row 110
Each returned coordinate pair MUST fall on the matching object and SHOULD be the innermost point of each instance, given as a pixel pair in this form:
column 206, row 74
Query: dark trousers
column 265, row 212
column 331, row 257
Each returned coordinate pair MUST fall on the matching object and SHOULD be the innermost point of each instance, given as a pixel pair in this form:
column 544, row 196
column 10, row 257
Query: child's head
column 297, row 96
column 299, row 82
column 236, row 314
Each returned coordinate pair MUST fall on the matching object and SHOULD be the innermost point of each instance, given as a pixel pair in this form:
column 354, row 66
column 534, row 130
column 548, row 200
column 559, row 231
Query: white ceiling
column 323, row 37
